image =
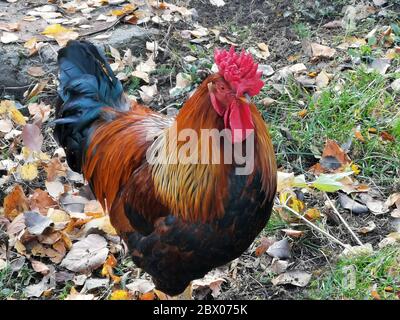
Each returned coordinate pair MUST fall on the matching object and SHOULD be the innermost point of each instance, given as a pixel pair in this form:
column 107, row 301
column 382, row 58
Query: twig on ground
column 284, row 206
column 343, row 221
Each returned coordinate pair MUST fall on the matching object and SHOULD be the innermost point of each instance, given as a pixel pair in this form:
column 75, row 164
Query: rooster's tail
column 86, row 85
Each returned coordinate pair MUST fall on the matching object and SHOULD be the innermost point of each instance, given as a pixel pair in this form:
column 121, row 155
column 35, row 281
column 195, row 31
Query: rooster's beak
column 245, row 99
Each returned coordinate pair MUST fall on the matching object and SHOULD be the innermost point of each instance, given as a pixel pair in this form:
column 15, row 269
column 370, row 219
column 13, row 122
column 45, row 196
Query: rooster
column 180, row 219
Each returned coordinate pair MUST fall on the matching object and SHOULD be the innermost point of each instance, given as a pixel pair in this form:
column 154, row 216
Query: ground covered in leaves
column 332, row 97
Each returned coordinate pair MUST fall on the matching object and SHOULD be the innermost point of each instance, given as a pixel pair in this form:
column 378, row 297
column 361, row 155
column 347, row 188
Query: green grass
column 274, row 223
column 355, row 278
column 302, row 30
column 12, row 284
column 133, row 85
column 358, row 98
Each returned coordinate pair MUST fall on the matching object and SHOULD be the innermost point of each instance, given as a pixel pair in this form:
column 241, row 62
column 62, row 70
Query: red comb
column 239, row 70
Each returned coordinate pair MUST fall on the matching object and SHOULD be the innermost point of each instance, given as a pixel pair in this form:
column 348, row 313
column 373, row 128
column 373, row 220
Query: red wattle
column 240, row 121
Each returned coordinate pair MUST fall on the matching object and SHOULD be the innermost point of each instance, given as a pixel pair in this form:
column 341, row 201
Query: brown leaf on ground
column 15, row 203
column 312, row 214
column 108, row 271
column 387, row 136
column 40, row 267
column 333, row 159
column 36, row 71
column 38, row 88
column 39, row 111
column 41, row 201
column 371, row 226
column 293, row 233
column 44, row 251
column 322, row 51
column 264, row 245
column 55, row 169
column 393, row 199
column 359, row 136
column 213, row 280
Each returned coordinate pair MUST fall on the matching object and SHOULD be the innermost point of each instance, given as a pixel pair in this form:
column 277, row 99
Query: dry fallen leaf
column 380, row 65
column 39, row 111
column 322, row 80
column 86, row 255
column 280, row 249
column 61, row 34
column 387, row 136
column 36, row 71
column 147, row 93
column 140, row 285
column 41, row 201
column 32, row 137
column 333, row 159
column 322, row 51
column 5, row 125
column 212, row 280
column 36, row 223
column 54, row 188
column 294, row 277
column 38, row 88
column 40, row 267
column 368, row 228
column 348, row 203
column 279, row 266
column 15, row 203
column 9, row 37
column 121, row 295
column 312, row 214
column 293, row 233
column 55, row 169
column 75, row 295
column 264, row 245
column 357, row 251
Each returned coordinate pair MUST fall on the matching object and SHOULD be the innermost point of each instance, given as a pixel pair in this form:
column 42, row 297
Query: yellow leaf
column 120, row 295
column 38, row 88
column 117, row 12
column 125, row 9
column 26, row 152
column 107, row 270
column 359, row 136
column 54, row 29
column 355, row 168
column 31, row 43
column 60, row 34
column 296, row 204
column 312, row 214
column 312, row 74
column 17, row 116
column 29, row 171
column 20, row 247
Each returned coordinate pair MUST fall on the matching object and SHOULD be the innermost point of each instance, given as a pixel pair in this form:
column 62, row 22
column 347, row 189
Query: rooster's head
column 231, row 92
